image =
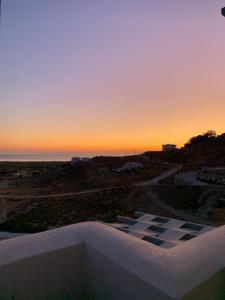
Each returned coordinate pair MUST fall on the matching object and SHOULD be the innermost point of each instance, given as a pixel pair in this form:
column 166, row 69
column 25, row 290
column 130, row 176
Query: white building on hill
column 76, row 160
column 129, row 166
column 168, row 147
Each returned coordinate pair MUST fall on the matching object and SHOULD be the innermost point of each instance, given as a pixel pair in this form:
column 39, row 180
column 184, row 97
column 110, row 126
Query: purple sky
column 110, row 75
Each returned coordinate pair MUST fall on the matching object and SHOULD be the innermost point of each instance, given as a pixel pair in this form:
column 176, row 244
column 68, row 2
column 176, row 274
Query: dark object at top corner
column 223, row 11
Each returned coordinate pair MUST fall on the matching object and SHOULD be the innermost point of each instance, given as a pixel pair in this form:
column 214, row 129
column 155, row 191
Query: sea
column 64, row 156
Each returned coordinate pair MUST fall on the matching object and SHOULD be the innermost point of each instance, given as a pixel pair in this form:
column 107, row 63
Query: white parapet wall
column 89, row 261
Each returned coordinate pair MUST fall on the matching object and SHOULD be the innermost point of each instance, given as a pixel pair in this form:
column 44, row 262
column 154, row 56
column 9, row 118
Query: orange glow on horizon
column 146, row 74
column 64, row 146
column 100, row 146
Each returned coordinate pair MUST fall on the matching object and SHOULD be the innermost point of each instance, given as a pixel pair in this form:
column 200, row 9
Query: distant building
column 169, row 147
column 129, row 166
column 76, row 160
column 25, row 173
column 223, row 11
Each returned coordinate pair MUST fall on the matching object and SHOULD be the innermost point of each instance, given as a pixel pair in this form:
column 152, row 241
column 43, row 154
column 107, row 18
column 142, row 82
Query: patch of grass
column 19, row 225
column 180, row 196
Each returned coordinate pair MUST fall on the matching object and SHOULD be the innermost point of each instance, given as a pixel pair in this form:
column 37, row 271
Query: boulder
column 223, row 11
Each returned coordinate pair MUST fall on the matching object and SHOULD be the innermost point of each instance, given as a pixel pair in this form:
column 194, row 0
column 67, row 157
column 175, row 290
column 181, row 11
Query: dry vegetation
column 179, row 202
column 200, row 151
column 98, row 173
column 116, row 191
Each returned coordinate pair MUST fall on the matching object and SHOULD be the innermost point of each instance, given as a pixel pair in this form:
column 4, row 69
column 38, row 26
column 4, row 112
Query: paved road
column 60, row 195
column 190, row 178
column 164, row 175
column 152, row 181
column 178, row 213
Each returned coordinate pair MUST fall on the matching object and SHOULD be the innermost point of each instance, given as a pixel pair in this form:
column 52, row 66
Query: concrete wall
column 211, row 289
column 94, row 261
column 55, row 275
column 107, row 280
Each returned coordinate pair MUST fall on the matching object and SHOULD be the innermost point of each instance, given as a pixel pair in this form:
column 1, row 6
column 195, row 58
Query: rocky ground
column 206, row 203
column 98, row 173
column 199, row 151
column 112, row 193
column 22, row 209
column 190, row 203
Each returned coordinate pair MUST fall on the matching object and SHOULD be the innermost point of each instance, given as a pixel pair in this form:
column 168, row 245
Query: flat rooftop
column 160, row 231
column 152, row 258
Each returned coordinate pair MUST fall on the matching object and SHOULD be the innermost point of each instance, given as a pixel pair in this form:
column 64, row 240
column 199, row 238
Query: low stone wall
column 212, row 178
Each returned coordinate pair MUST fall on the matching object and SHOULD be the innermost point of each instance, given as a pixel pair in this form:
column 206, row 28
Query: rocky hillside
column 202, row 150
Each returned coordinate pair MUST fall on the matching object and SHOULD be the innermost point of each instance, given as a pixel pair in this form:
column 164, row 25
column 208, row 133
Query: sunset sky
column 110, row 75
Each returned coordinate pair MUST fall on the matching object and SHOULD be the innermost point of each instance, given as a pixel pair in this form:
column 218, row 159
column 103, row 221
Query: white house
column 76, row 160
column 168, row 147
column 129, row 166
